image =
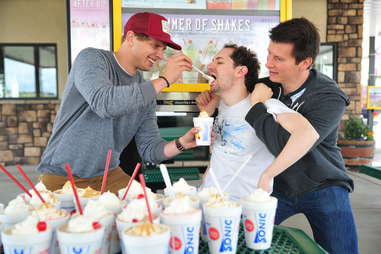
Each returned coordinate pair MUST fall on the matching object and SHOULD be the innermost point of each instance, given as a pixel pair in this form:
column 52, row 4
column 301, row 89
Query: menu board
column 202, row 36
column 205, row 4
column 89, row 25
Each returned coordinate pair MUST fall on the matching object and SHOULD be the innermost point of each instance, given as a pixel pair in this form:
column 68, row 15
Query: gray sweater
column 103, row 107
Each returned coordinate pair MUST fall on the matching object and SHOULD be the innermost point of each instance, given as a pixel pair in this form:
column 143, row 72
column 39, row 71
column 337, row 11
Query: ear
column 305, row 64
column 242, row 71
column 130, row 38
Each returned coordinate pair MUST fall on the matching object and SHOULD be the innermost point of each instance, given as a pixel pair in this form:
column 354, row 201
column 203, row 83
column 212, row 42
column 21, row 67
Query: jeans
column 329, row 213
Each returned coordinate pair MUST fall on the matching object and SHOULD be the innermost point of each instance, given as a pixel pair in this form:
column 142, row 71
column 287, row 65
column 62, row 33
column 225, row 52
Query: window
column 326, row 61
column 28, row 71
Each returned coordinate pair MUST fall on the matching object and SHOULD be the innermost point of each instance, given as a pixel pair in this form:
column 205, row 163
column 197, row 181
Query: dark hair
column 141, row 37
column 302, row 34
column 243, row 56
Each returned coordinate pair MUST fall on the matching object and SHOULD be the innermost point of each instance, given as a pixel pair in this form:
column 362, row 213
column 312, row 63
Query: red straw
column 104, row 181
column 68, row 170
column 30, row 183
column 136, row 170
column 15, row 180
column 143, row 183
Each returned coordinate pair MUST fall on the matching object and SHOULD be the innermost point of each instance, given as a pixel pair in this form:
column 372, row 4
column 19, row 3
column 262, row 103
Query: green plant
column 356, row 129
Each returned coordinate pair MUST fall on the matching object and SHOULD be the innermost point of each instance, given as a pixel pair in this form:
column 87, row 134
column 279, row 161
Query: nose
column 269, row 64
column 160, row 54
column 210, row 66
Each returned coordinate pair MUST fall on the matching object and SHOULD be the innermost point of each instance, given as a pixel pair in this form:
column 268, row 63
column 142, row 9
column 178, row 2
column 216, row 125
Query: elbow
column 315, row 135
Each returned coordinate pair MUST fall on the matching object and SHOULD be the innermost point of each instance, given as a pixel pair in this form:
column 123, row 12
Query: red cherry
column 96, row 225
column 41, row 226
column 140, row 196
column 134, row 220
column 73, row 212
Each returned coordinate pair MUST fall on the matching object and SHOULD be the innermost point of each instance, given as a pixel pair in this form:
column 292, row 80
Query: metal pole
column 372, row 73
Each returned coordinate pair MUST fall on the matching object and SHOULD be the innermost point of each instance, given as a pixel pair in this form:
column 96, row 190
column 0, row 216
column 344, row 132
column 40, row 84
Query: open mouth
column 151, row 60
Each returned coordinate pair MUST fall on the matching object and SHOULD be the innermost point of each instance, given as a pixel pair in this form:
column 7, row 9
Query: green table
column 285, row 240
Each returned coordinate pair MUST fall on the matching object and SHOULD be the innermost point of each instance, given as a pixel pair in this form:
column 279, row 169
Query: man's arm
column 302, row 138
column 323, row 113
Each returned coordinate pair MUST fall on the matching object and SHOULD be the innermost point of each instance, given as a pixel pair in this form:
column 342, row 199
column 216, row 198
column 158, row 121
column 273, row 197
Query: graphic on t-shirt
column 231, row 136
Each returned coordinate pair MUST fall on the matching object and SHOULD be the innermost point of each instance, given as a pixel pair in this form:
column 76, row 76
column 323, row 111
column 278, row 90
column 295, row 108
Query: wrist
column 179, row 145
column 165, row 80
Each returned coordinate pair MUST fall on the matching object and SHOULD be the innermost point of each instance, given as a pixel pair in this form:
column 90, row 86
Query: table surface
column 285, row 240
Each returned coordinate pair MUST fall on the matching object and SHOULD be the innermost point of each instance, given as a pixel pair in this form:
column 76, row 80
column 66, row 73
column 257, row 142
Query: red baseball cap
column 153, row 25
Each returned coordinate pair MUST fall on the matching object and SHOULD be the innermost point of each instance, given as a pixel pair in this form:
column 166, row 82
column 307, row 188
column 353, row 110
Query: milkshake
column 146, row 238
column 258, row 217
column 205, row 123
column 181, row 186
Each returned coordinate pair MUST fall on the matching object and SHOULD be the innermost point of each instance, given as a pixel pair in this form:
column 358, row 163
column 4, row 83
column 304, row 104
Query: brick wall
column 344, row 26
column 24, row 131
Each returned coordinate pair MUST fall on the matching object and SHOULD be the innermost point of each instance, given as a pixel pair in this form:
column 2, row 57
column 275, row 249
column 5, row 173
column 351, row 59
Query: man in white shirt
column 239, row 157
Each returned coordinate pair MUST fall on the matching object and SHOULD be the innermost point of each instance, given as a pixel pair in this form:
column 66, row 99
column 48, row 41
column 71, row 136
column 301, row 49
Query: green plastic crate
column 154, row 175
column 285, row 240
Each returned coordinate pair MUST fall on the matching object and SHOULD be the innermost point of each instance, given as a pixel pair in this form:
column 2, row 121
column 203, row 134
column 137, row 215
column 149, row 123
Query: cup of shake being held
column 205, row 123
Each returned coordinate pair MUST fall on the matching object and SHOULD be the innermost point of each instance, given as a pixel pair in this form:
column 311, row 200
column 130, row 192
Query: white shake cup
column 222, row 219
column 205, row 123
column 26, row 237
column 184, row 221
column 258, row 217
column 146, row 238
column 80, row 235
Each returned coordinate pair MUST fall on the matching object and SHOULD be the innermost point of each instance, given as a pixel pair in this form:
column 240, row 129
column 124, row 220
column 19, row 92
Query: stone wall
column 345, row 26
column 24, row 131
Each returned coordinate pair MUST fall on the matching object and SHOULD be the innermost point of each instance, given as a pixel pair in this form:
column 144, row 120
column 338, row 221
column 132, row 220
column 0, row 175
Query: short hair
column 243, row 56
column 302, row 34
column 140, row 36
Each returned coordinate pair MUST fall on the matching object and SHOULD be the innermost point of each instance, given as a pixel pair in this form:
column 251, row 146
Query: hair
column 140, row 36
column 243, row 56
column 302, row 34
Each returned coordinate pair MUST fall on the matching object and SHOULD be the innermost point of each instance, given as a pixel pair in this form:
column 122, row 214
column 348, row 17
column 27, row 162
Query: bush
column 356, row 129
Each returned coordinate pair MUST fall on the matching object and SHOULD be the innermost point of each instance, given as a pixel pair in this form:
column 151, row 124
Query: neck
column 295, row 83
column 237, row 93
column 125, row 60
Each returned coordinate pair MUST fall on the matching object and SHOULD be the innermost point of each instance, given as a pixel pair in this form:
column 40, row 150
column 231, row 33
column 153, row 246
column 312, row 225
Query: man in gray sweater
column 107, row 102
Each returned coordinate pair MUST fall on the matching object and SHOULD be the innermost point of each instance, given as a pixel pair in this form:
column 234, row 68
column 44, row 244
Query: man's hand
column 264, row 182
column 189, row 139
column 261, row 93
column 176, row 64
column 208, row 102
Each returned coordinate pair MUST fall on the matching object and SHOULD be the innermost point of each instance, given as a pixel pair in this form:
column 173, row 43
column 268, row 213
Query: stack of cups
column 258, row 217
column 222, row 221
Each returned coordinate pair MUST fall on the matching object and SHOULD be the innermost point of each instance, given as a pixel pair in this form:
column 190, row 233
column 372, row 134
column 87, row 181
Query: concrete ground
column 366, row 203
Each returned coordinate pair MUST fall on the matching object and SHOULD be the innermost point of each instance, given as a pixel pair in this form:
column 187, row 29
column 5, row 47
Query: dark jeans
column 330, row 215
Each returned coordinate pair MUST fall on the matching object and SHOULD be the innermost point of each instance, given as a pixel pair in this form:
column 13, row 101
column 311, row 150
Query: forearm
column 303, row 137
column 170, row 149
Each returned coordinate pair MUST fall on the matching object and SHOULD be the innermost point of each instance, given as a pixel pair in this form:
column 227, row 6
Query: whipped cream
column 95, row 210
column 210, row 193
column 80, row 224
column 182, row 186
column 16, row 206
column 40, row 186
column 180, row 205
column 136, row 210
column 49, row 211
column 258, row 195
column 26, row 227
column 48, row 196
column 221, row 203
column 147, row 229
column 136, row 190
column 88, row 192
column 203, row 114
column 110, row 201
